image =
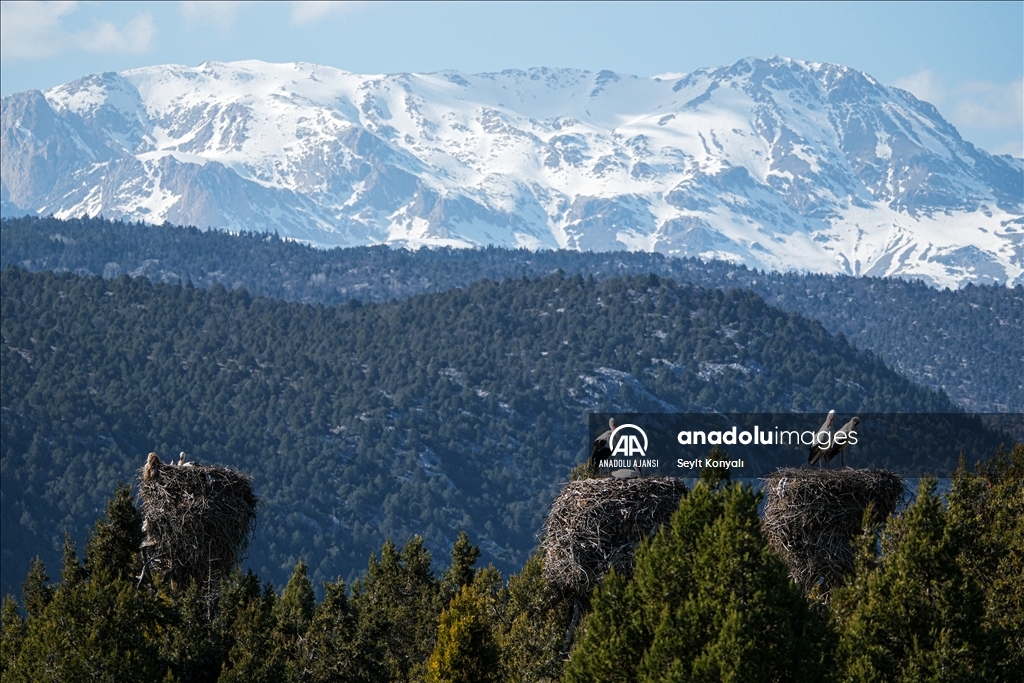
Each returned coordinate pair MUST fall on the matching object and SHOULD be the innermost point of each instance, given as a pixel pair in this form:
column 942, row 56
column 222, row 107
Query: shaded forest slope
column 966, row 342
column 440, row 412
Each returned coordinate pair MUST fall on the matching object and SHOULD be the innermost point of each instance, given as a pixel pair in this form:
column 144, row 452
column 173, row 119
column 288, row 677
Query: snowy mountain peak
column 776, row 163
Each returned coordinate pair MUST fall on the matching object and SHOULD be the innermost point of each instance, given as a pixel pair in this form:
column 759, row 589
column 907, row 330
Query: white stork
column 840, row 448
column 821, row 442
column 602, row 448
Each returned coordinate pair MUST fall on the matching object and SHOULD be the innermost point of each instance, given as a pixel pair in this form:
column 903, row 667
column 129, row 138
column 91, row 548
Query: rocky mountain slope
column 777, row 164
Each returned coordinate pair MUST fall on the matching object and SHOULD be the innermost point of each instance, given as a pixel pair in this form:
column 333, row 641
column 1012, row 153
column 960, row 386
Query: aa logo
column 627, row 442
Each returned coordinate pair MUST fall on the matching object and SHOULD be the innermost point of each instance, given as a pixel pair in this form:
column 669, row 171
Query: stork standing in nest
column 602, row 448
column 840, row 444
column 152, row 468
column 822, row 440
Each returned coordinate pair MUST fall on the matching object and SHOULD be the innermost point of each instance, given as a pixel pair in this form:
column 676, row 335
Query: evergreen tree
column 293, row 613
column 97, row 631
column 995, row 557
column 97, row 625
column 460, row 571
column 36, row 592
column 192, row 643
column 397, row 605
column 255, row 656
column 467, row 650
column 708, row 601
column 297, row 603
column 113, row 546
column 237, row 592
column 12, row 634
column 609, row 645
column 914, row 613
column 533, row 627
column 101, row 627
column 742, row 619
column 72, row 572
column 335, row 651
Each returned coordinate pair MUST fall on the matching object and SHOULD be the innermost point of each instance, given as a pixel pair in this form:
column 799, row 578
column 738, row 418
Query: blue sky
column 966, row 58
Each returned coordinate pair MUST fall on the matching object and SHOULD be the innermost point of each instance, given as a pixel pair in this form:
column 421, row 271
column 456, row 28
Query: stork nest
column 812, row 516
column 596, row 524
column 197, row 520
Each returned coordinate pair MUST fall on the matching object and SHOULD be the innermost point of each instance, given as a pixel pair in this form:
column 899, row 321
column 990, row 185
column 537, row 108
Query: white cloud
column 670, row 75
column 30, row 30
column 978, row 109
column 924, row 86
column 135, row 36
column 1014, row 148
column 223, row 13
column 972, row 104
column 308, row 12
column 984, row 104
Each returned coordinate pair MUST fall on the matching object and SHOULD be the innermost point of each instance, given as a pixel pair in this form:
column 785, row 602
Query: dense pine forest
column 407, row 418
column 936, row 594
column 965, row 342
column 458, row 410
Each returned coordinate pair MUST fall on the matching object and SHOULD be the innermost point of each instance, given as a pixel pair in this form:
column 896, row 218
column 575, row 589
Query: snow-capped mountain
column 778, row 164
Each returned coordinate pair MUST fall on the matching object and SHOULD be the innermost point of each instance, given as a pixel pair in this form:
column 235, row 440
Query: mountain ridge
column 926, row 334
column 777, row 164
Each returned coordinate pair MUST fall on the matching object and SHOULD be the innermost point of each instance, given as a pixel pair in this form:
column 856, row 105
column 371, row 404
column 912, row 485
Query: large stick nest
column 812, row 516
column 596, row 524
column 197, row 520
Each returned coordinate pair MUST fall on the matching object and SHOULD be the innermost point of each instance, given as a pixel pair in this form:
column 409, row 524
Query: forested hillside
column 457, row 410
column 966, row 342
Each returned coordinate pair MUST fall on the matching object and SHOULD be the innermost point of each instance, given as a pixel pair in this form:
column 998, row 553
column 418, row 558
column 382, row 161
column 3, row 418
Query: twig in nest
column 197, row 520
column 811, row 517
column 596, row 524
